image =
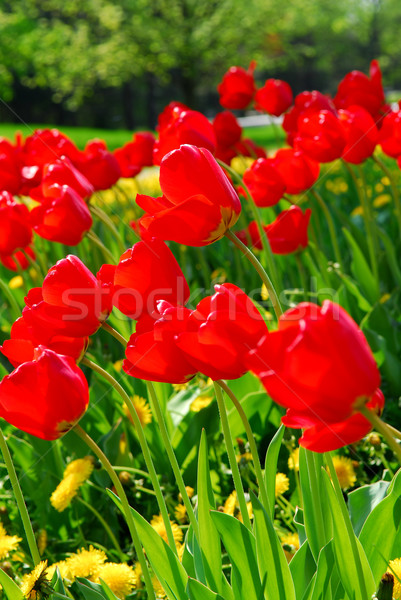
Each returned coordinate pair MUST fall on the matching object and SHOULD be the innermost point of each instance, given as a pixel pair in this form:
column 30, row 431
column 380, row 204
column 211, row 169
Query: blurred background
column 117, row 63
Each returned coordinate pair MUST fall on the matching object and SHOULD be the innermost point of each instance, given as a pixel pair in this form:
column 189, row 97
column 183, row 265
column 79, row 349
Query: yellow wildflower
column 264, row 292
column 36, row 582
column 42, row 540
column 381, row 200
column 395, row 569
column 86, row 563
column 178, row 387
column 293, row 461
column 245, row 456
column 384, row 298
column 219, row 275
column 120, row 578
column 241, row 163
column 290, row 543
column 138, row 575
column 345, row 471
column 142, row 410
column 282, row 484
column 180, row 551
column 75, row 474
column 180, row 513
column 148, row 183
column 158, row 525
column 8, row 543
column 385, row 180
column 379, row 188
column 200, row 403
column 15, row 282
column 159, row 591
column 358, row 211
column 231, row 507
column 62, row 567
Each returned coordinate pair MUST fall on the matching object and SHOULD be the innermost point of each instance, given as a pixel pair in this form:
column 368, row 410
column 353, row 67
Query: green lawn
column 266, row 136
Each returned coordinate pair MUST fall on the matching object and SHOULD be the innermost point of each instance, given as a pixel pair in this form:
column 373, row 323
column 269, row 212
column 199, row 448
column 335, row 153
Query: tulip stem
column 106, row 526
column 115, row 334
column 173, row 460
column 10, row 297
column 107, row 222
column 330, row 224
column 348, row 525
column 144, row 446
column 384, row 429
column 252, row 444
column 91, row 235
column 33, row 264
column 256, row 215
column 126, row 509
column 20, row 500
column 232, row 458
column 262, row 273
column 396, row 195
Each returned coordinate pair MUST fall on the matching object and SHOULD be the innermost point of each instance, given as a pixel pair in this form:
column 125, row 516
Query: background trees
column 119, row 62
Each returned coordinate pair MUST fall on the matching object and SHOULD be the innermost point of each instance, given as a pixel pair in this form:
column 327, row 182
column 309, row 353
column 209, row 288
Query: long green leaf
column 348, row 551
column 209, row 538
column 271, row 467
column 273, row 565
column 322, row 588
column 361, row 270
column 165, row 563
column 363, row 500
column 241, row 548
column 10, row 588
column 380, row 529
column 302, row 567
column 197, row 591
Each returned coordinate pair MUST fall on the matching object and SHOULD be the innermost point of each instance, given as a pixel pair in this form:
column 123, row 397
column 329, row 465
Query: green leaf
column 109, row 594
column 209, row 538
column 323, row 584
column 302, row 567
column 163, row 560
column 361, row 270
column 354, row 290
column 89, row 590
column 241, row 548
column 10, row 588
column 271, row 467
column 380, row 529
column 197, row 591
column 363, row 500
column 273, row 565
column 344, row 549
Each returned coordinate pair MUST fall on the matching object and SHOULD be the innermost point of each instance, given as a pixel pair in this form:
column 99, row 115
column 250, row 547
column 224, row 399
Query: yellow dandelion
column 245, row 456
column 8, row 543
column 86, row 563
column 178, row 387
column 82, row 468
column 230, row 504
column 241, row 163
column 343, row 186
column 381, row 200
column 120, row 578
column 142, row 410
column 293, row 461
column 148, row 182
column 379, row 188
column 138, row 575
column 290, row 543
column 384, row 298
column 282, row 484
column 16, row 282
column 158, row 588
column 385, row 180
column 264, row 292
column 395, row 569
column 345, row 471
column 42, row 540
column 219, row 275
column 158, row 525
column 358, row 211
column 200, row 403
column 180, row 551
column 62, row 566
column 65, row 492
column 180, row 513
column 118, row 365
column 36, row 582
column 249, row 511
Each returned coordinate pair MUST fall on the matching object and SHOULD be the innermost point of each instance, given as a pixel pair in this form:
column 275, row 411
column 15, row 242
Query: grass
column 268, row 136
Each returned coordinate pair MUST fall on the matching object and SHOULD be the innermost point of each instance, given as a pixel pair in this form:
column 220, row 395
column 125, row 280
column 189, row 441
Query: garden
column 200, row 352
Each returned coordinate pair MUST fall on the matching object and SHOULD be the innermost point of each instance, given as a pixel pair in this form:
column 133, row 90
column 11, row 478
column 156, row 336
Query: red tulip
column 62, row 216
column 220, row 332
column 358, row 89
column 275, row 97
column 247, row 147
column 184, row 127
column 45, row 396
column 264, row 182
column 305, row 104
column 98, row 165
column 361, row 134
column 152, row 353
column 62, row 172
column 390, row 134
column 45, row 146
column 10, row 167
column 287, row 234
column 135, row 155
column 15, row 229
column 320, row 136
column 299, row 172
column 166, row 115
column 145, row 274
column 198, row 204
column 10, row 262
column 21, row 346
column 319, row 365
column 72, row 301
column 237, row 87
column 227, row 129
